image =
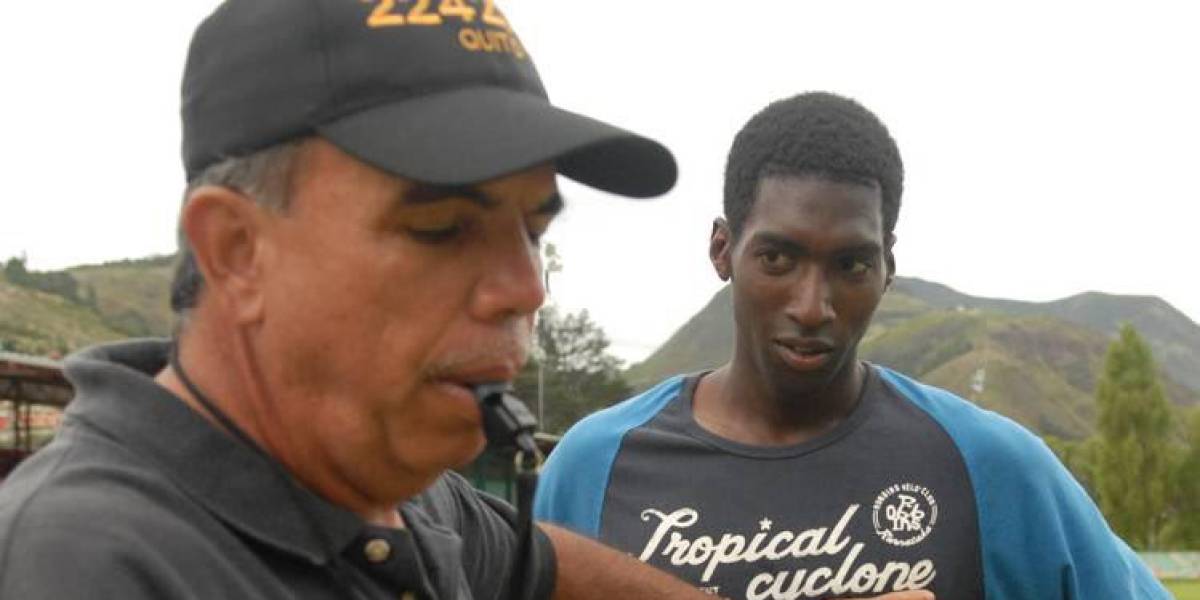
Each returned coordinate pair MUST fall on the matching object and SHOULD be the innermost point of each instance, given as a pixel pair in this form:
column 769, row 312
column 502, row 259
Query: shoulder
column 602, row 431
column 80, row 476
column 112, row 522
column 984, row 438
column 1027, row 499
column 574, row 480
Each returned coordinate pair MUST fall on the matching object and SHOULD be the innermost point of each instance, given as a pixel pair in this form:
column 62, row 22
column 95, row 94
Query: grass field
column 1185, row 590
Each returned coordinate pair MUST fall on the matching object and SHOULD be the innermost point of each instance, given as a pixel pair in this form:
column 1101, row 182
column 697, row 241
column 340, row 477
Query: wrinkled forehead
column 325, row 169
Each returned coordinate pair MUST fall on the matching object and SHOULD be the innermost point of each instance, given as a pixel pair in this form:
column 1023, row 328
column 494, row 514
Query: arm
column 1077, row 555
column 1041, row 536
column 588, row 570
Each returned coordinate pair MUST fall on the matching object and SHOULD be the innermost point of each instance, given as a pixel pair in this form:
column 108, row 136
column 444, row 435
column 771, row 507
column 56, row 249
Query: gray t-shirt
column 863, row 509
column 916, row 488
column 140, row 497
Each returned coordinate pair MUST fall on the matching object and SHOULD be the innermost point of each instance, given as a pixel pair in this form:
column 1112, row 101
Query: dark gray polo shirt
column 138, row 496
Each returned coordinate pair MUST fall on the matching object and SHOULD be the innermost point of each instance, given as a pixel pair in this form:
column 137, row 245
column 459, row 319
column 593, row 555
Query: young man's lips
column 804, row 355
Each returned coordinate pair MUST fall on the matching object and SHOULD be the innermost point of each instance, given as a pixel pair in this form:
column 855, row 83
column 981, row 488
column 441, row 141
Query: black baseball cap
column 441, row 92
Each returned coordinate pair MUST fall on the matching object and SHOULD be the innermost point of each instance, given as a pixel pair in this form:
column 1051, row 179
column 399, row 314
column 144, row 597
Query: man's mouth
column 804, row 354
column 463, row 381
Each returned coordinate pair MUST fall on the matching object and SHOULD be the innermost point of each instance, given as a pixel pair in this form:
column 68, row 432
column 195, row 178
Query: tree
column 14, row 270
column 1079, row 457
column 579, row 376
column 61, row 283
column 1185, row 491
column 1133, row 453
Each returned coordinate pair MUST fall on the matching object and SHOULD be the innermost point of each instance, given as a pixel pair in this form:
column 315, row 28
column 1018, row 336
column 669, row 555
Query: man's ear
column 224, row 229
column 720, row 248
column 890, row 258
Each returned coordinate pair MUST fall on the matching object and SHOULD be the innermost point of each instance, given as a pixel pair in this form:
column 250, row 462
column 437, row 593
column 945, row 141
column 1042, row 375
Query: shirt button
column 377, row 550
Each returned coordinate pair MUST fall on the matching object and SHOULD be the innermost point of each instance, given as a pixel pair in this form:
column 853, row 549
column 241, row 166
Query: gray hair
column 263, row 176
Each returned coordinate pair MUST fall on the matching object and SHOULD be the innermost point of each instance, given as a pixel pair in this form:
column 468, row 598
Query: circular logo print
column 904, row 514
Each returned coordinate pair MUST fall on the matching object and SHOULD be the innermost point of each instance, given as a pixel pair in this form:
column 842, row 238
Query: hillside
column 133, row 296
column 1174, row 338
column 118, row 300
column 39, row 323
column 1035, row 362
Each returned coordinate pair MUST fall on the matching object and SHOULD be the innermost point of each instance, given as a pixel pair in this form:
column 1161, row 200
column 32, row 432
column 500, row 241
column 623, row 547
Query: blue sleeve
column 1042, row 537
column 573, row 481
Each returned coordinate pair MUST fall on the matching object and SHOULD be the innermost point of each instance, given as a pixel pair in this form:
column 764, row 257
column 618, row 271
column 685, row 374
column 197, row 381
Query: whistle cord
column 339, row 568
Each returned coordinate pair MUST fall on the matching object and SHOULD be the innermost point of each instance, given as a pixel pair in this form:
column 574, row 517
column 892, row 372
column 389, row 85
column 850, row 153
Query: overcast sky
column 1050, row 148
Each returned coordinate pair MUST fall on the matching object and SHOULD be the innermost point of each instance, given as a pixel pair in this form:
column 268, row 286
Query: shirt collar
column 116, row 393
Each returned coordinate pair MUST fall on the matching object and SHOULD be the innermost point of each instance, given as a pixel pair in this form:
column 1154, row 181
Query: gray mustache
column 511, row 346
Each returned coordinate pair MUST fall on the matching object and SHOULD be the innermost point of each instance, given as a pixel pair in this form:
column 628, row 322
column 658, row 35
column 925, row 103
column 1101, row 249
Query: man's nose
column 811, row 302
column 510, row 283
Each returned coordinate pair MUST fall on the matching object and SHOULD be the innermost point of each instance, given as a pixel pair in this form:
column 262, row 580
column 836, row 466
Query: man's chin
column 810, row 381
column 473, row 454
column 456, row 456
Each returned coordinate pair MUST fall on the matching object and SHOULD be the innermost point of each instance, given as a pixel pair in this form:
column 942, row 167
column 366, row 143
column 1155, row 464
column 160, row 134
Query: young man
column 797, row 470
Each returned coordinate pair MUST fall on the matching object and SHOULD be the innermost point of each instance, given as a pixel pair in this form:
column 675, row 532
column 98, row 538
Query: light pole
column 552, row 263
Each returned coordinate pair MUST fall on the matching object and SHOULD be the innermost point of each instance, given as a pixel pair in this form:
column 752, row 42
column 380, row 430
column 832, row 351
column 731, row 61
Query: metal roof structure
column 25, row 382
column 33, row 380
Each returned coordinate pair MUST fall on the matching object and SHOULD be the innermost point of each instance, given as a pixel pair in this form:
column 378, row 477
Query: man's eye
column 774, row 261
column 435, row 235
column 855, row 266
column 537, row 225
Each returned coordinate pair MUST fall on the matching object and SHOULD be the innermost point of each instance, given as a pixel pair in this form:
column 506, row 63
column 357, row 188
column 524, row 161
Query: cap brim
column 471, row 135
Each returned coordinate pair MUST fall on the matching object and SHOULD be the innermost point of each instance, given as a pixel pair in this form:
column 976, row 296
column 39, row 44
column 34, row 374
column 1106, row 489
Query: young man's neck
column 739, row 404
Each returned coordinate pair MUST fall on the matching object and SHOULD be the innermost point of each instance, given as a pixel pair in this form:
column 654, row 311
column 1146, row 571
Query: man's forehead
column 817, row 197
column 815, row 213
column 322, row 163
column 803, row 179
column 534, row 200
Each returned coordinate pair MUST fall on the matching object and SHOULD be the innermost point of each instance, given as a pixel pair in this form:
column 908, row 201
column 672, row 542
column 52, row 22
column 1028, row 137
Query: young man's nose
column 811, row 303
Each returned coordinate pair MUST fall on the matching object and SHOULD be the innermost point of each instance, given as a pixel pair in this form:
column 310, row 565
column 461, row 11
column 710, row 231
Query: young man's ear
column 890, row 259
column 224, row 228
column 720, row 248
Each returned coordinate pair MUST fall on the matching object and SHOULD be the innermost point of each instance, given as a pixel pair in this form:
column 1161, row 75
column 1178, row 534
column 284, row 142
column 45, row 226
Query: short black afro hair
column 818, row 134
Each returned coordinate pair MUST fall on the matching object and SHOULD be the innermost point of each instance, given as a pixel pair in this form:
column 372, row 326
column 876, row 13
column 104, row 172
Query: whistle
column 507, row 422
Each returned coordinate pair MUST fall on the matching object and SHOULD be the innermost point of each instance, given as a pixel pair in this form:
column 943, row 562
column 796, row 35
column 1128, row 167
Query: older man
column 368, row 182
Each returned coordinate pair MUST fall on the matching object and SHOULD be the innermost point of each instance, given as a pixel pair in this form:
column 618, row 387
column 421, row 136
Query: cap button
column 377, row 550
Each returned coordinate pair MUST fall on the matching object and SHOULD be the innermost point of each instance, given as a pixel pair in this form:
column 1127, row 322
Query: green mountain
column 103, row 302
column 1173, row 337
column 132, row 296
column 1034, row 362
column 44, row 324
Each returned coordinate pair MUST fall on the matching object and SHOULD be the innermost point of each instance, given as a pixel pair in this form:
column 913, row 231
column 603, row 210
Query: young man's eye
column 775, row 262
column 855, row 266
